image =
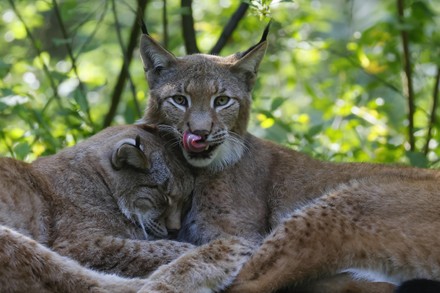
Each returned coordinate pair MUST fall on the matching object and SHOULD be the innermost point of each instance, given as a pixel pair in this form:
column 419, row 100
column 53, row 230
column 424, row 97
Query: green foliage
column 331, row 83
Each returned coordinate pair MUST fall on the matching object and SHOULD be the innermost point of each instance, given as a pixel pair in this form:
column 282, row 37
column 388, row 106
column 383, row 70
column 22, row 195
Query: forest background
column 342, row 80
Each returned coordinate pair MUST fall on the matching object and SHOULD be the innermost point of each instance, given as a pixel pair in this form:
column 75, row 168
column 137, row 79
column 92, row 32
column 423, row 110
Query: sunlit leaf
column 21, row 150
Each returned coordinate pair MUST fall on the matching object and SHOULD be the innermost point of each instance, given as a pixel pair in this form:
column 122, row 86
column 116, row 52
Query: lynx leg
column 361, row 227
column 285, row 259
column 208, row 268
column 343, row 283
column 27, row 266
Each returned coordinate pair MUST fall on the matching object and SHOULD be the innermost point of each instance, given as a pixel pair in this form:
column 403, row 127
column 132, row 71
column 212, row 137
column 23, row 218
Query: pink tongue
column 192, row 143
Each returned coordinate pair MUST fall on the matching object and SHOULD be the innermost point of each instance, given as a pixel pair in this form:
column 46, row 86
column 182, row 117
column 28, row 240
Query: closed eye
column 144, row 203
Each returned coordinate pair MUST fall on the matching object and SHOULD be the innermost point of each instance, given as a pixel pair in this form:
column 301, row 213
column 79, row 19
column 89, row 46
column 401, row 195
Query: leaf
column 417, row 159
column 3, row 106
column 61, row 42
column 82, row 101
column 276, row 103
column 21, row 150
column 314, row 130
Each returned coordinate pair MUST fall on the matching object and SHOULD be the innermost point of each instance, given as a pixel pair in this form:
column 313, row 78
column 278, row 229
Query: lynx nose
column 202, row 133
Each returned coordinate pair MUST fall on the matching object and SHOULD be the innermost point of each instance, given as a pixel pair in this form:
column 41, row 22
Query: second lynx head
column 202, row 100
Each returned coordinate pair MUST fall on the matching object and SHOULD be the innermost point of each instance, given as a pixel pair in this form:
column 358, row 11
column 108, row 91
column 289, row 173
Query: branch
column 73, row 60
column 126, row 62
column 356, row 64
column 229, row 28
column 408, row 77
column 165, row 24
column 95, row 30
column 39, row 52
column 433, row 120
column 5, row 142
column 119, row 86
column 189, row 34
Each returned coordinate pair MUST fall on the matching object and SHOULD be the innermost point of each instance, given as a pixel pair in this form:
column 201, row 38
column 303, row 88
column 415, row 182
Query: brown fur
column 326, row 217
column 67, row 216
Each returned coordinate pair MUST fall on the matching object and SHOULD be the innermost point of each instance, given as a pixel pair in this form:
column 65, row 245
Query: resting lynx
column 327, row 217
column 97, row 203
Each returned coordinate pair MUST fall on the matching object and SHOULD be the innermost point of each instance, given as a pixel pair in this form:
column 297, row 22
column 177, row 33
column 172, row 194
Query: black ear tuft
column 143, row 25
column 265, row 33
column 262, row 40
column 138, row 141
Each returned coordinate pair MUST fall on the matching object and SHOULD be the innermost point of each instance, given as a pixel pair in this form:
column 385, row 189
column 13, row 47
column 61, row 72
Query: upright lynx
column 315, row 219
column 96, row 206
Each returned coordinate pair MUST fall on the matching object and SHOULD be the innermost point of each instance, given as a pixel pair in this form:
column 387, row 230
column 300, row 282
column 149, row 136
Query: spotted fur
column 315, row 219
column 80, row 221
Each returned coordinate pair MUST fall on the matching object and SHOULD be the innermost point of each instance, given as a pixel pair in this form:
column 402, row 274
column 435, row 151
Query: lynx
column 326, row 218
column 97, row 207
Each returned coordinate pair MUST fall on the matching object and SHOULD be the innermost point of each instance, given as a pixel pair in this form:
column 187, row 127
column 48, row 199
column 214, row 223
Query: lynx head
column 149, row 186
column 202, row 100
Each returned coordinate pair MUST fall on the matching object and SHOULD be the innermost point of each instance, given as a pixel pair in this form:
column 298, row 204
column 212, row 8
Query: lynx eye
column 221, row 101
column 180, row 100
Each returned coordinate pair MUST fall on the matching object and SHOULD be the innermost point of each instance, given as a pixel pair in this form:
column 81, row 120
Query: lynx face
column 145, row 189
column 202, row 100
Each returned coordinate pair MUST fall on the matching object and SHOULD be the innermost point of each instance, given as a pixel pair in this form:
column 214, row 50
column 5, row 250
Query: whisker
column 237, row 139
column 219, row 135
column 172, row 143
column 167, row 129
column 141, row 223
column 171, row 135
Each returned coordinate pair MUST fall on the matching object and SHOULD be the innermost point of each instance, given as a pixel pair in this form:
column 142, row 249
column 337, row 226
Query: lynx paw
column 208, row 268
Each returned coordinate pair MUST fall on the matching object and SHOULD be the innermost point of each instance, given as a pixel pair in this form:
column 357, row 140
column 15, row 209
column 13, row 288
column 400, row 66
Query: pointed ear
column 250, row 59
column 154, row 57
column 128, row 152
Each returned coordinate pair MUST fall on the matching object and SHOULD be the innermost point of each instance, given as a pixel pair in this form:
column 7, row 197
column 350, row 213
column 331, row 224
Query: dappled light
column 334, row 81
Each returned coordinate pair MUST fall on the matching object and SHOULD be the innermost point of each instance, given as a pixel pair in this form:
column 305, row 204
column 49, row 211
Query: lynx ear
column 249, row 60
column 128, row 152
column 154, row 56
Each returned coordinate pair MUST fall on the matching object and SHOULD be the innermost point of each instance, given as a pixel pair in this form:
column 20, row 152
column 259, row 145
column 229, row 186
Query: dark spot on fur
column 98, row 242
column 254, row 276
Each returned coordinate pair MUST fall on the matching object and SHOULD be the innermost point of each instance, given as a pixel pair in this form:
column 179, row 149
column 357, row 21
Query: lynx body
column 83, row 220
column 326, row 218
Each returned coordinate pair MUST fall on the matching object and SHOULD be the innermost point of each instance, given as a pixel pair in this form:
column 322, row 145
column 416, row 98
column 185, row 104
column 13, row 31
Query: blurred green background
column 343, row 80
